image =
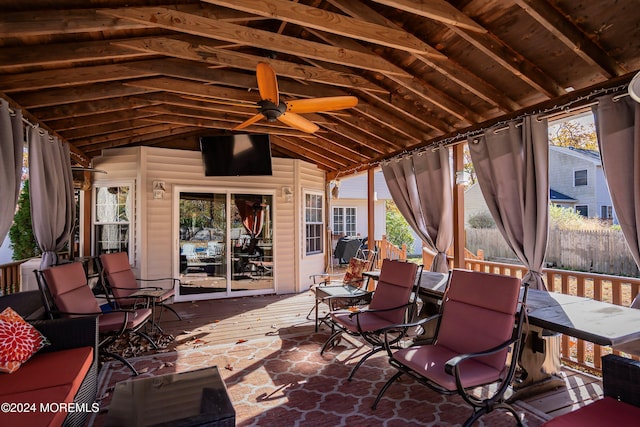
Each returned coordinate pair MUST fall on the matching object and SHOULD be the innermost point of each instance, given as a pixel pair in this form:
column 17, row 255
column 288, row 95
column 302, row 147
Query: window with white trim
column 344, row 221
column 580, row 178
column 112, row 219
column 606, row 211
column 313, row 222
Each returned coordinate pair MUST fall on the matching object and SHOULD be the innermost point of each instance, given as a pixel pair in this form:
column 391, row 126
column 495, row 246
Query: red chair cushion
column 604, row 412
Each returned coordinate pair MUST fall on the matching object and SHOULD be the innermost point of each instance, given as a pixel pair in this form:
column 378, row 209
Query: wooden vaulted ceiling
column 115, row 73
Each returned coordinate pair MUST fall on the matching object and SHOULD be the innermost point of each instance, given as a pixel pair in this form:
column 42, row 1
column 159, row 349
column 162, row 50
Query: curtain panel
column 618, row 130
column 421, row 187
column 11, row 152
column 512, row 167
column 52, row 199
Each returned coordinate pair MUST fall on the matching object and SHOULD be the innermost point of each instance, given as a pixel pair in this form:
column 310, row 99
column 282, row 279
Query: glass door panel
column 203, row 239
column 251, row 239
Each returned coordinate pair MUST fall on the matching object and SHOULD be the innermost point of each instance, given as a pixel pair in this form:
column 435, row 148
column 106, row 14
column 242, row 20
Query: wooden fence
column 594, row 251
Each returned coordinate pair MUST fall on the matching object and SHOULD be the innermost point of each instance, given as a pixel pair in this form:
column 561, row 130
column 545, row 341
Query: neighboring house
column 576, row 181
column 578, row 173
column 348, row 211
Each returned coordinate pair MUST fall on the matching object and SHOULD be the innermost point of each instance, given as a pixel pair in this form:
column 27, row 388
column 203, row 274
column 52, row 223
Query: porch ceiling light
column 634, row 88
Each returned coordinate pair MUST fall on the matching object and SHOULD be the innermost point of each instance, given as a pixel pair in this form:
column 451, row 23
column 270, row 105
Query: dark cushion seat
column 603, row 412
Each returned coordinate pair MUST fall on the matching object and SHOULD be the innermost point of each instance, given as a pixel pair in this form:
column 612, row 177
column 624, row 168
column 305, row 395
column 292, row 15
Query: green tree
column 572, row 133
column 23, row 242
column 398, row 230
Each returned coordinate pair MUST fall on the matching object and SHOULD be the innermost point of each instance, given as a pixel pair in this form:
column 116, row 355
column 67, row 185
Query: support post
column 371, row 215
column 458, row 209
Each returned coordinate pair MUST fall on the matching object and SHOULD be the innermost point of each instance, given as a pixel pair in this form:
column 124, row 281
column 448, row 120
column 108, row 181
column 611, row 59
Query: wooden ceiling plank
column 335, row 23
column 124, row 134
column 417, row 86
column 195, row 105
column 69, row 95
column 75, row 76
column 15, row 59
column 436, row 10
column 184, row 48
column 99, row 119
column 445, row 66
column 69, row 21
column 227, row 125
column 88, row 108
column 310, row 152
column 96, row 147
column 568, row 34
column 192, row 88
column 103, row 129
column 212, row 28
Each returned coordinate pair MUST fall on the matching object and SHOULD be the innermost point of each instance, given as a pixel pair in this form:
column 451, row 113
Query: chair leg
column 363, row 359
column 148, row 338
column 332, row 341
column 121, row 359
column 173, row 310
column 483, row 410
column 384, row 388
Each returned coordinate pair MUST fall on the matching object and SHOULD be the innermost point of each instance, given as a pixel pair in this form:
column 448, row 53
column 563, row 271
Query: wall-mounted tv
column 236, row 155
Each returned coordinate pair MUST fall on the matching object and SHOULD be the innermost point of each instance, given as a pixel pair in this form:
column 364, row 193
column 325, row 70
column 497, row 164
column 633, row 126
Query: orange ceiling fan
column 272, row 109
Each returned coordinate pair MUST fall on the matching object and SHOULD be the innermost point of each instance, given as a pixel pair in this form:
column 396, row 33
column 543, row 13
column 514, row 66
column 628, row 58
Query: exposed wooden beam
column 316, row 155
column 324, row 20
column 99, row 119
column 75, row 76
column 95, row 147
column 126, row 134
column 19, row 59
column 212, row 28
column 103, row 129
column 437, row 10
column 446, row 66
column 70, row 95
column 194, row 50
column 70, row 21
column 568, row 34
column 88, row 108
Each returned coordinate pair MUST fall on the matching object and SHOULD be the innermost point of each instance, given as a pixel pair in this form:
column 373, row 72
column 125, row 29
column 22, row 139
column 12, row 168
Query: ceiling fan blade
column 314, row 105
column 298, row 122
column 267, row 83
column 249, row 122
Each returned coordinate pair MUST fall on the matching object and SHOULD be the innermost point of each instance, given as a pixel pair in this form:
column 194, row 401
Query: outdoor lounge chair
column 480, row 321
column 65, row 293
column 394, row 302
column 126, row 289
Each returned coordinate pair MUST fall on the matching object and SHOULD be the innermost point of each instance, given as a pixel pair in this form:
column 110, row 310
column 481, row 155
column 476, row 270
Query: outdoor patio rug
column 284, row 381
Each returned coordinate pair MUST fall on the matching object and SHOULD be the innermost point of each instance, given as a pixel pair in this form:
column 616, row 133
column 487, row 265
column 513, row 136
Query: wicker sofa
column 58, row 385
column 620, row 405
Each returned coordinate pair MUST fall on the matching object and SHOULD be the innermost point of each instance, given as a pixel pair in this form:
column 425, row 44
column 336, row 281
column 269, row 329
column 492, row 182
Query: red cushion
column 34, row 416
column 65, row 367
column 604, row 412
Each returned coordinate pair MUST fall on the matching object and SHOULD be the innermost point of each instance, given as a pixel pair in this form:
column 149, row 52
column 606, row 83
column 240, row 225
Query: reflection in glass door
column 252, row 242
column 203, row 237
column 226, row 243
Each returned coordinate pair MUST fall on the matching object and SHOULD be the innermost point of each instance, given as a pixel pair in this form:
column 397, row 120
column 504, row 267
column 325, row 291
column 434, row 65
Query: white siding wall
column 312, row 179
column 157, row 241
column 561, row 177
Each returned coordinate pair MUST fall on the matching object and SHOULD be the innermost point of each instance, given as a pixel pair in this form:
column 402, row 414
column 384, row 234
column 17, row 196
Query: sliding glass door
column 225, row 244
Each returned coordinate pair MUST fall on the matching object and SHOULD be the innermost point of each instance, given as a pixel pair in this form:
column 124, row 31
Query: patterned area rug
column 284, row 381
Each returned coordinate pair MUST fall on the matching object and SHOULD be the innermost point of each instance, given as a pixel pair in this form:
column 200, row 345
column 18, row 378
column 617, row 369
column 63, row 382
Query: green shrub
column 482, row 219
column 23, row 242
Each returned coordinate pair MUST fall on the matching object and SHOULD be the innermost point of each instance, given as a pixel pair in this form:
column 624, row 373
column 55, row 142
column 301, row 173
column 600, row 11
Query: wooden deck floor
column 229, row 320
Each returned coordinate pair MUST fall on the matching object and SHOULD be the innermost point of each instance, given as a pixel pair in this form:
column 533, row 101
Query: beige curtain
column 11, row 149
column 618, row 130
column 51, row 191
column 512, row 167
column 421, row 187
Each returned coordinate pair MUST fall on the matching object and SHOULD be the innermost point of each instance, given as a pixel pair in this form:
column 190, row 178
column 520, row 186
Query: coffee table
column 193, row 398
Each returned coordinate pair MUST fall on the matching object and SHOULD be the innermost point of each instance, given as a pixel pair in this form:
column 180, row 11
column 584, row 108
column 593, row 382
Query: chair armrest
column 160, row 279
column 390, row 328
column 452, row 365
column 69, row 333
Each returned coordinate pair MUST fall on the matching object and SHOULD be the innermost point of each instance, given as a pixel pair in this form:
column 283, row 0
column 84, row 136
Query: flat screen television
column 236, row 155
